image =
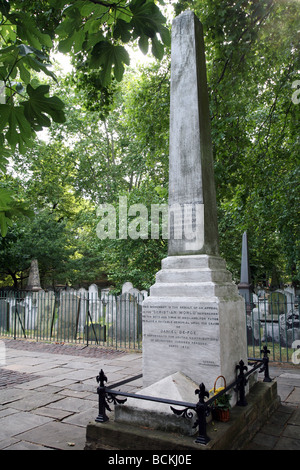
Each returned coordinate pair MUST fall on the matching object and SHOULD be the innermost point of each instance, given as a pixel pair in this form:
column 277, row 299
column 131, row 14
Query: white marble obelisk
column 194, row 318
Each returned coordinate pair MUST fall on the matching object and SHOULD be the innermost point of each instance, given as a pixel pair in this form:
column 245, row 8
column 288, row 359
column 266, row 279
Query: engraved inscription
column 183, row 327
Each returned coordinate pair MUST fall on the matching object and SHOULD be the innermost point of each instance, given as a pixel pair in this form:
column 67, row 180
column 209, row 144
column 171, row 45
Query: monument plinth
column 194, row 318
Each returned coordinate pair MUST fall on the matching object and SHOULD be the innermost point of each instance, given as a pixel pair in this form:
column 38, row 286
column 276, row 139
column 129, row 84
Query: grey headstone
column 44, row 303
column 34, row 276
column 68, row 316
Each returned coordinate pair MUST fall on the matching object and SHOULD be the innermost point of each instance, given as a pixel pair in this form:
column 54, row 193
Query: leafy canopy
column 92, row 31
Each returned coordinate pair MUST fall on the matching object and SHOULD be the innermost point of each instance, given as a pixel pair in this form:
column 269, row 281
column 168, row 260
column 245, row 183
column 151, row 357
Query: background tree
column 252, row 52
column 94, row 32
column 114, row 141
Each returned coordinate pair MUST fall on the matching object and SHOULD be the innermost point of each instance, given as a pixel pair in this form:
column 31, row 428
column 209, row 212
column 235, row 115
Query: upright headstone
column 126, row 287
column 68, row 316
column 34, row 277
column 194, row 318
column 126, row 325
column 83, row 299
column 4, row 315
column 94, row 303
column 44, row 317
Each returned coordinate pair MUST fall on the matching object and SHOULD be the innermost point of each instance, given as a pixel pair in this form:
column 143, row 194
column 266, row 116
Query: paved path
column 48, row 395
column 282, row 431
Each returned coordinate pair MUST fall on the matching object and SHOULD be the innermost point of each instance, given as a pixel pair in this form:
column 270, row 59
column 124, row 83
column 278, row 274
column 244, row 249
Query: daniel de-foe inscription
column 183, row 327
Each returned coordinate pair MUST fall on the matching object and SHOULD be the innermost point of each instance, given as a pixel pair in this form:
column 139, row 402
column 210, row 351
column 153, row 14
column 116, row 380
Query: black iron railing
column 204, row 405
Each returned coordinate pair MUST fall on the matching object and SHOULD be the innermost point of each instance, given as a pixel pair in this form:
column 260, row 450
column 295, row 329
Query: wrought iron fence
column 116, row 320
column 202, row 408
column 273, row 320
column 73, row 317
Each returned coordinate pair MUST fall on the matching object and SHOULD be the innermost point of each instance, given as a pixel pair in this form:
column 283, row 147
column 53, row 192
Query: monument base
column 235, row 434
column 193, row 321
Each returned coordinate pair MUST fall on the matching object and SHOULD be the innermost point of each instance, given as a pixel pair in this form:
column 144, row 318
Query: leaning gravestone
column 126, row 287
column 277, row 304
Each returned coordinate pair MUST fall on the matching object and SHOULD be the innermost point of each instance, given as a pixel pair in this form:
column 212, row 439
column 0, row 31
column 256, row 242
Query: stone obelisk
column 194, row 319
column 245, row 282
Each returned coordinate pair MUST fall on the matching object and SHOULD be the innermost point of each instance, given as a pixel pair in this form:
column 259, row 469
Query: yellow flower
column 213, row 392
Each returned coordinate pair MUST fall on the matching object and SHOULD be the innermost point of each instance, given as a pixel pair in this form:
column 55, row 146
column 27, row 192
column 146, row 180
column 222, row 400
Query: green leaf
column 28, row 31
column 79, row 40
column 4, row 115
column 19, row 130
column 147, row 18
column 24, row 73
column 157, row 48
column 165, row 36
column 106, row 55
column 38, row 66
column 144, row 44
column 25, row 50
column 65, row 45
column 122, row 30
column 87, row 9
column 39, row 107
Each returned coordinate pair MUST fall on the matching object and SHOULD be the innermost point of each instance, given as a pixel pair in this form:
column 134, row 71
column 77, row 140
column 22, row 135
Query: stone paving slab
column 58, row 397
column 22, row 445
column 286, row 443
column 53, row 413
column 34, row 400
column 22, row 422
column 29, row 421
column 56, row 435
column 294, row 397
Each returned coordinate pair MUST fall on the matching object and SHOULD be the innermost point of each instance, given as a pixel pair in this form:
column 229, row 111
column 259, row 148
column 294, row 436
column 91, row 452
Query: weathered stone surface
column 34, row 276
column 191, row 174
column 158, row 415
column 193, row 321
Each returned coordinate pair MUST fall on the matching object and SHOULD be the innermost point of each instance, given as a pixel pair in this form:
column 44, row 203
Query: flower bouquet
column 221, row 406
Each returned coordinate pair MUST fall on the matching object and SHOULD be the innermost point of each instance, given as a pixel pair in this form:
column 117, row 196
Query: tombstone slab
column 34, row 277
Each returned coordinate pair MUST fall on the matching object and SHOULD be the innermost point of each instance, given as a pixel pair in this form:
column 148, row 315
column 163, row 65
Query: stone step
column 193, row 275
column 193, row 262
column 194, row 289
